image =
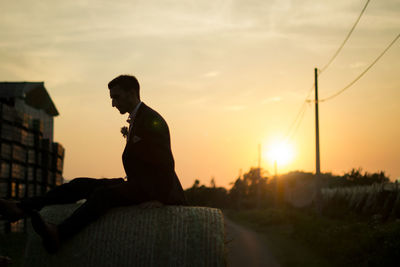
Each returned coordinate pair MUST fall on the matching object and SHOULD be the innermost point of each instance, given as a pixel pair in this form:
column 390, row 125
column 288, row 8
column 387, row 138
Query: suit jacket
column 148, row 160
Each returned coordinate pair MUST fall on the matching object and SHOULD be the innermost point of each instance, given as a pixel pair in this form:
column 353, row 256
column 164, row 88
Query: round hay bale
column 130, row 236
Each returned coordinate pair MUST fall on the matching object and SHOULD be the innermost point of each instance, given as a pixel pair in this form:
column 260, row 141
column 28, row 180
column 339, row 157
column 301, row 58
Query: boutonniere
column 124, row 131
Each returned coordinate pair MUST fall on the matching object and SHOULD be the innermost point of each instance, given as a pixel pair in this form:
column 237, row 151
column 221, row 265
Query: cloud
column 272, row 99
column 211, row 74
column 357, row 65
column 235, row 108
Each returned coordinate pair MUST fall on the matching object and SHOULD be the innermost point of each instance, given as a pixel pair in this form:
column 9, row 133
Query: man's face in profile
column 122, row 99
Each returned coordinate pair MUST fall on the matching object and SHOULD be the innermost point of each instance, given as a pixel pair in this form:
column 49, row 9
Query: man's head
column 124, row 93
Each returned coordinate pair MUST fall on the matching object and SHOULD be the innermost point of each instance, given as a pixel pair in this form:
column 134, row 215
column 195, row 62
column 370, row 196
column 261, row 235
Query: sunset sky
column 227, row 75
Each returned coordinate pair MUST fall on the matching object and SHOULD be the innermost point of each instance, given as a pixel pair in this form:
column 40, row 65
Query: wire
column 302, row 108
column 300, row 115
column 299, row 122
column 301, row 112
column 345, row 40
column 362, row 73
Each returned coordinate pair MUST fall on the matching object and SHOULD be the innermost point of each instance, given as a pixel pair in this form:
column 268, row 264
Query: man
column 148, row 164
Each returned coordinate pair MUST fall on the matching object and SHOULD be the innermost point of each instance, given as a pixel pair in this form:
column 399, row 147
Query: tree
column 212, row 182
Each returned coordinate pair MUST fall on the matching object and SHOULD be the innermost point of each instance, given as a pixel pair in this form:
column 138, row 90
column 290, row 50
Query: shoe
column 10, row 211
column 47, row 231
column 5, row 261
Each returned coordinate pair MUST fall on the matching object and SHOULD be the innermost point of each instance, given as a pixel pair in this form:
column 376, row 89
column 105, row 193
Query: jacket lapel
column 137, row 121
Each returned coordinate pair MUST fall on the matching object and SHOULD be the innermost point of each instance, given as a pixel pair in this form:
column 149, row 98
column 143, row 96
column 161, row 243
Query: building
column 31, row 162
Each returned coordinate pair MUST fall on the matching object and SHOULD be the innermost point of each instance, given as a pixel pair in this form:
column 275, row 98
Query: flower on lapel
column 124, row 131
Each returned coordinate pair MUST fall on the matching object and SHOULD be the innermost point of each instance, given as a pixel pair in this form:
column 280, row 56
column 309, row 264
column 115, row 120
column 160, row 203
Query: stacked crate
column 29, row 164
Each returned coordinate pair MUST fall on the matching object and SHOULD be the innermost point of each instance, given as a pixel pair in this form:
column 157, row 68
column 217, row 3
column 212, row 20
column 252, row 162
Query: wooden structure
column 30, row 162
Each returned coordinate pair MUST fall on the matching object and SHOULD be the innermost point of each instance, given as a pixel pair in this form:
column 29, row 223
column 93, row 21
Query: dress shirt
column 133, row 114
column 131, row 118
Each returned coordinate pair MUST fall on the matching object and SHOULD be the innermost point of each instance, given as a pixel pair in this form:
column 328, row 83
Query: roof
column 34, row 94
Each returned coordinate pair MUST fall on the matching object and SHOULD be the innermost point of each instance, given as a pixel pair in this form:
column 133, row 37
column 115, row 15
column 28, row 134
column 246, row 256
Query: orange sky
column 226, row 75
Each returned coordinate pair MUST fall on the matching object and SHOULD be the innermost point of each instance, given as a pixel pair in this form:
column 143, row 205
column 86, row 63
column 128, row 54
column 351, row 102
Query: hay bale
column 130, row 236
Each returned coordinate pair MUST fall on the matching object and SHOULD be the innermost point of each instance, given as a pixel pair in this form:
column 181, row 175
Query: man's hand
column 151, row 204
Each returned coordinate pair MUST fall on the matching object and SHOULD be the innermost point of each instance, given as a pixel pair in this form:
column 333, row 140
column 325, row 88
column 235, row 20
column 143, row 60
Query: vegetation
column 380, row 201
column 256, row 190
column 336, row 242
column 354, row 221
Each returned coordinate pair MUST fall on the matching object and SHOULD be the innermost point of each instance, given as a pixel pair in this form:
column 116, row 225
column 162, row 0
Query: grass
column 303, row 238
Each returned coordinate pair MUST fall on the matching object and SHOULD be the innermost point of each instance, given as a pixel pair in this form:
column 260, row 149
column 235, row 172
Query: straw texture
column 130, row 236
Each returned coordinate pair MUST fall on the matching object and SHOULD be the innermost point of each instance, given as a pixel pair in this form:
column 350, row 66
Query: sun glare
column 280, row 152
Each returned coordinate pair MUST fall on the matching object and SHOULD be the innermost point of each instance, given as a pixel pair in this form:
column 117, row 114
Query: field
column 381, row 201
column 323, row 241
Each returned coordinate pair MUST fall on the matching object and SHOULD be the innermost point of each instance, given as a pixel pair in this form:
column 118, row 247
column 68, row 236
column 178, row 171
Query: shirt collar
column 133, row 113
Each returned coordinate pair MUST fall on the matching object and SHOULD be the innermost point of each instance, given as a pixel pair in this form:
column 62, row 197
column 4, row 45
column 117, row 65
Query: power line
column 299, row 123
column 362, row 73
column 299, row 114
column 345, row 40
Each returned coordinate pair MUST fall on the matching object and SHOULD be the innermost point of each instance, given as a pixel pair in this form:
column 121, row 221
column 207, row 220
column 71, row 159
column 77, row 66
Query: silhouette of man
column 148, row 162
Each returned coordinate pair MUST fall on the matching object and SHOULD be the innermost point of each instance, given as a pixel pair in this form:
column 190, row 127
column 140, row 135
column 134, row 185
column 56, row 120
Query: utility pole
column 259, row 177
column 318, row 182
column 317, row 161
column 259, row 160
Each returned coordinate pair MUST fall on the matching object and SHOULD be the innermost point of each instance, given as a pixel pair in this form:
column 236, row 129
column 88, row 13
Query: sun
column 280, row 152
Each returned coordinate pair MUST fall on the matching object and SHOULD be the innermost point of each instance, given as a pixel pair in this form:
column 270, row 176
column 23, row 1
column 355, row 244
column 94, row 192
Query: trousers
column 100, row 195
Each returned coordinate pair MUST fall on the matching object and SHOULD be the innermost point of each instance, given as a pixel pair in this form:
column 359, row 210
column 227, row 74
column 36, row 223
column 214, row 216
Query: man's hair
column 126, row 82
